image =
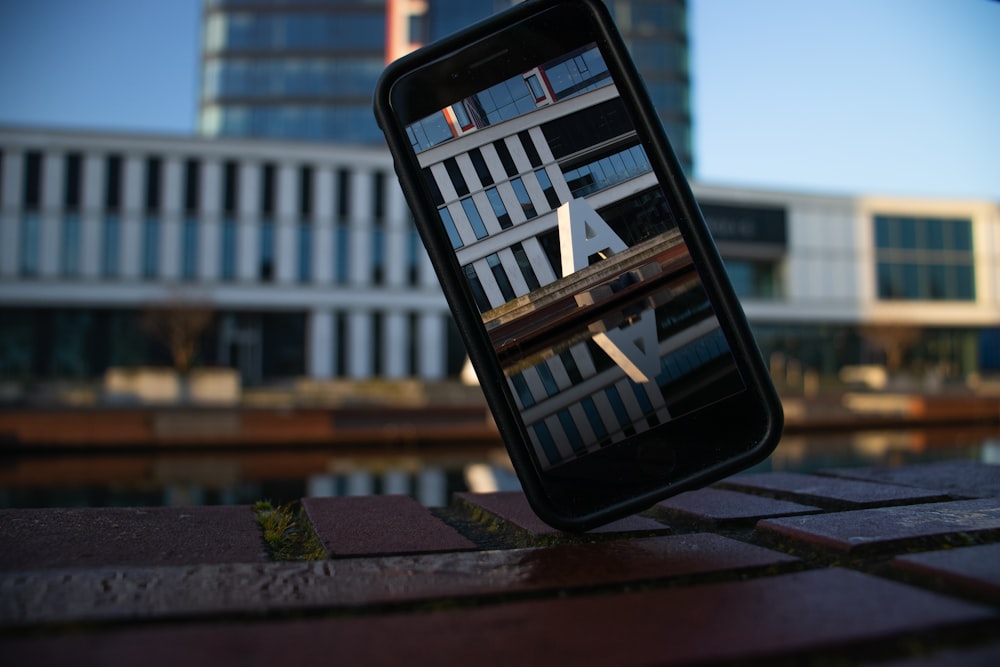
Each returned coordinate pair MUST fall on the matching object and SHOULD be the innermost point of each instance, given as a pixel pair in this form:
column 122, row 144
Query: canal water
column 282, row 475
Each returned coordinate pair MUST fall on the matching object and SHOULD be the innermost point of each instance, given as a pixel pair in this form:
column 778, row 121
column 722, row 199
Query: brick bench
column 893, row 566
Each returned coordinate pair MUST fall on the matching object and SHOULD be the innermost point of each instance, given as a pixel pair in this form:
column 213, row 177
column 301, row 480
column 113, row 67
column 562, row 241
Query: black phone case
column 695, row 232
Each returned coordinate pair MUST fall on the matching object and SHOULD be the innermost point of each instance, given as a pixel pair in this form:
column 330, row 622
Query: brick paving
column 862, row 566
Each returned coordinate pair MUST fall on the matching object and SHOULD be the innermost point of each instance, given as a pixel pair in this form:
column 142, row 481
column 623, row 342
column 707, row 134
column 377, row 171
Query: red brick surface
column 714, row 506
column 783, row 615
column 960, row 478
column 84, row 537
column 484, row 582
column 974, row 569
column 379, row 525
column 882, row 527
column 109, row 594
column 828, row 491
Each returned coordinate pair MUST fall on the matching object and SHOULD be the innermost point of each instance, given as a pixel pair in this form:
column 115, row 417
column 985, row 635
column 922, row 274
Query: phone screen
column 571, row 251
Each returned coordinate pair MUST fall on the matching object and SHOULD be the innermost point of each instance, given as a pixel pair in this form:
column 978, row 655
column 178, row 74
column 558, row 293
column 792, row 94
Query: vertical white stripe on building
column 319, row 344
column 510, row 201
column 51, row 218
column 486, row 212
column 397, row 222
column 359, row 345
column 322, row 250
column 443, row 182
column 209, row 223
column 513, row 272
column 10, row 210
column 493, row 163
column 361, row 226
column 489, row 283
column 432, row 343
column 248, row 223
column 539, row 261
column 170, row 232
column 426, row 275
column 468, row 172
column 542, row 146
column 462, row 225
column 285, row 255
column 130, row 246
column 92, row 222
column 517, row 152
column 395, row 348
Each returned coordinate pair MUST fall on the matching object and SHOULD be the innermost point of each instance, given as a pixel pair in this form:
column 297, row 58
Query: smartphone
column 594, row 307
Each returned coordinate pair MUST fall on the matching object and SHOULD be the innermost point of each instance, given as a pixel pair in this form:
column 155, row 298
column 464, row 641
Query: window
column 32, row 180
column 499, row 209
column 73, row 185
column 341, row 253
column 529, row 148
column 475, row 220
column 69, row 252
column 522, row 197
column 606, row 171
column 525, row 265
column 305, row 192
column 113, row 183
column 536, row 87
column 230, row 188
column 30, row 244
column 268, row 194
column 304, row 252
column 500, row 275
column 343, row 194
column 753, row 279
column 189, row 248
column 228, row 249
column 151, row 245
column 191, row 186
column 478, row 293
column 111, row 245
column 462, row 116
column 266, row 248
column 927, row 259
column 547, row 188
column 153, row 189
column 483, row 171
column 505, row 157
column 455, row 174
column 449, row 225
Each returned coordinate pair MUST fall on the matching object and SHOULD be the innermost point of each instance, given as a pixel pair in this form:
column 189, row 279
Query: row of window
column 299, row 77
column 151, row 240
column 81, row 343
column 292, row 31
column 347, row 122
column 575, row 74
column 924, row 258
column 227, row 198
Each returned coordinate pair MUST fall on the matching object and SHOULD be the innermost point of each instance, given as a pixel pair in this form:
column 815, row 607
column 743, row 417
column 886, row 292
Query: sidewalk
column 895, row 566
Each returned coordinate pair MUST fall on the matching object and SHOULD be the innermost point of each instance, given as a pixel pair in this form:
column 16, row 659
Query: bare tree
column 895, row 340
column 179, row 328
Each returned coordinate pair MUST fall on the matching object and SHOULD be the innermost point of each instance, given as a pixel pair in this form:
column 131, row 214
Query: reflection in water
column 284, row 476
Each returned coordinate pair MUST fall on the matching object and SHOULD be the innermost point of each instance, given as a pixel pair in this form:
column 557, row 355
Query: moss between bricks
column 288, row 532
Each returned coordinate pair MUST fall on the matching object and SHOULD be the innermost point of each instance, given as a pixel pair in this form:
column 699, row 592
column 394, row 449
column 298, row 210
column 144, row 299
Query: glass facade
column 305, row 70
column 300, row 70
column 924, row 259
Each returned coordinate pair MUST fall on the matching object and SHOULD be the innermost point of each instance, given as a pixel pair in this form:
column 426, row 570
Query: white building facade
column 308, row 258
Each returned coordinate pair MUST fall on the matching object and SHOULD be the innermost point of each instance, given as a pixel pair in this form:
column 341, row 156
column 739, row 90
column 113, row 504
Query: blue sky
column 855, row 96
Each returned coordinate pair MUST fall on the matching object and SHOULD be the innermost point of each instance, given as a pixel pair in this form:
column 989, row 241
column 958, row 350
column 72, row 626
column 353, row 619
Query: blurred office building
column 307, row 256
column 306, row 70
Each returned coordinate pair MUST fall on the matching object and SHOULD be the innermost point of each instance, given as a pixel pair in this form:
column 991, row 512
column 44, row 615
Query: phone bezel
column 577, row 501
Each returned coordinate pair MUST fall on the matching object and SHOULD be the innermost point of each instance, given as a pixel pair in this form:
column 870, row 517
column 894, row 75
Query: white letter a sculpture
column 583, row 233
